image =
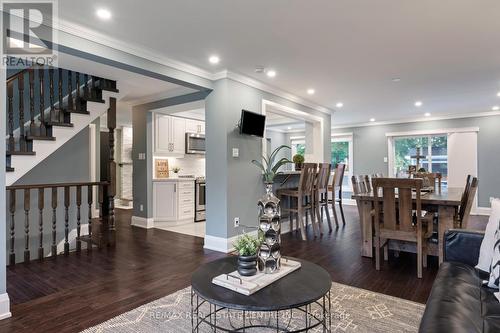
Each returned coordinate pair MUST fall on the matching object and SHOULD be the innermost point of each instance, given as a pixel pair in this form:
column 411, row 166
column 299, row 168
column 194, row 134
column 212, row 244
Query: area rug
column 352, row 310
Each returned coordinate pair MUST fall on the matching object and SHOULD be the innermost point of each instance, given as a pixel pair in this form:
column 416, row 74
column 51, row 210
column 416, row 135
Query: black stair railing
column 35, row 104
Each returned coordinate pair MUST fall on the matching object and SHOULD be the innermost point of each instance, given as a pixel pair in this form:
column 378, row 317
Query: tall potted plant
column 269, row 167
column 269, row 214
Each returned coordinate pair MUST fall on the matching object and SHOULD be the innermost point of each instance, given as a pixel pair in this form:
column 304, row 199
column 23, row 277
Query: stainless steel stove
column 199, row 200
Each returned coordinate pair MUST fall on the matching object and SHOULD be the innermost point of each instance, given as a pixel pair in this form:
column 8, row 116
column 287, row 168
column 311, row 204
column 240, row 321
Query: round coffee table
column 297, row 292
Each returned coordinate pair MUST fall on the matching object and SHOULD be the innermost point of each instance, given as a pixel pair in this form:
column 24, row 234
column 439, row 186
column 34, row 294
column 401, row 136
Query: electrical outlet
column 236, row 222
column 141, row 208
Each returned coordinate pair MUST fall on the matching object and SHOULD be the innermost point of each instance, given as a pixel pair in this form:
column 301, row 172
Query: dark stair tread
column 76, row 111
column 110, row 89
column 40, row 137
column 9, row 153
column 93, row 99
column 55, row 123
column 9, row 169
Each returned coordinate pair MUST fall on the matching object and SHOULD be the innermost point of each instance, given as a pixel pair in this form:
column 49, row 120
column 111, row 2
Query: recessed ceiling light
column 339, row 104
column 214, row 59
column 496, row 108
column 372, row 119
column 311, row 91
column 418, row 104
column 396, row 79
column 271, row 73
column 289, row 127
column 427, row 114
column 498, row 94
column 103, row 14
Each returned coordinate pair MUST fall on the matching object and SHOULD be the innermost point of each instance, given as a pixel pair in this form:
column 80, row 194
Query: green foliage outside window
column 340, row 154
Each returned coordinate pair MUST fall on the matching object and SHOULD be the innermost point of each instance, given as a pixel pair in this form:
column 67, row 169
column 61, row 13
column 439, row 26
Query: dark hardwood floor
column 72, row 293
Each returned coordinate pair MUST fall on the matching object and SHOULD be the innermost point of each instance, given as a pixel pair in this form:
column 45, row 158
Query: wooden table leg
column 366, row 228
column 446, row 214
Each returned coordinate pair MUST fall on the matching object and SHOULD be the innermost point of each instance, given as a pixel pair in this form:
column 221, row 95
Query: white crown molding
column 433, row 131
column 135, row 49
column 418, row 120
column 149, row 54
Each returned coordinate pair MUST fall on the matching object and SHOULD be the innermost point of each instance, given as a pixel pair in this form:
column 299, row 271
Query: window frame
column 392, row 148
column 345, row 137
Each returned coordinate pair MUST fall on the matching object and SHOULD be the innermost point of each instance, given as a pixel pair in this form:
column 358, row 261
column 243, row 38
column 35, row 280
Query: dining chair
column 431, row 179
column 359, row 187
column 336, row 190
column 321, row 194
column 301, row 199
column 468, row 197
column 398, row 218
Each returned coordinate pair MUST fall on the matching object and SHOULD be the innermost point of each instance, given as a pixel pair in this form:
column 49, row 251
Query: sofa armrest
column 462, row 246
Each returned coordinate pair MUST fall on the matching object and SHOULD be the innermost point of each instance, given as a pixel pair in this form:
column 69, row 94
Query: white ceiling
column 445, row 52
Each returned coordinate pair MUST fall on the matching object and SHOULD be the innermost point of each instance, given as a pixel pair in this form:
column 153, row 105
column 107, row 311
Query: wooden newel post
column 111, row 191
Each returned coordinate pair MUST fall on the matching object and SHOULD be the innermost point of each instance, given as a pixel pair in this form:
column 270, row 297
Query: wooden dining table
column 445, row 203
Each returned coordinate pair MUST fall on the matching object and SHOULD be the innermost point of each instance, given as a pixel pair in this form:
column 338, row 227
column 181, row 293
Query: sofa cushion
column 454, row 304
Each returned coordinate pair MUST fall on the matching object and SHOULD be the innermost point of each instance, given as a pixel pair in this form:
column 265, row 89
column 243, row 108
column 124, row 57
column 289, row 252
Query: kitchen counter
column 174, row 179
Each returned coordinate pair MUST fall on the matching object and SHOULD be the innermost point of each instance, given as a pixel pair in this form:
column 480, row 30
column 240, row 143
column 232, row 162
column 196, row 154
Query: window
column 298, row 147
column 430, row 150
column 341, row 152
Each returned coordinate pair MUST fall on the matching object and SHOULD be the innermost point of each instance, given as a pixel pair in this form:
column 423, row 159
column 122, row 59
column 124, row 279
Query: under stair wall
column 70, row 163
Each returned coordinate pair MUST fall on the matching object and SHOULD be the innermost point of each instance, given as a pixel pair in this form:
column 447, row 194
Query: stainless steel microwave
column 195, row 143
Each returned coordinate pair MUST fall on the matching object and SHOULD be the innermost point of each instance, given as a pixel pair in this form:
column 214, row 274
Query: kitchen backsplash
column 190, row 165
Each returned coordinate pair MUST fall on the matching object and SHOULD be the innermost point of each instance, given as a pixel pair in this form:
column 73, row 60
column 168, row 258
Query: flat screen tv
column 252, row 123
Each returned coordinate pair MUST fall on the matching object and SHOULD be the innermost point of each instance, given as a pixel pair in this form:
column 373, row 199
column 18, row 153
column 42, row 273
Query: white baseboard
column 5, row 306
column 142, row 222
column 481, row 211
column 221, row 244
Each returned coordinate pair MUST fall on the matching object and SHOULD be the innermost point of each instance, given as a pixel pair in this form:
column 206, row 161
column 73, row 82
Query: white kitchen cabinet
column 173, row 200
column 195, row 126
column 165, row 201
column 169, row 135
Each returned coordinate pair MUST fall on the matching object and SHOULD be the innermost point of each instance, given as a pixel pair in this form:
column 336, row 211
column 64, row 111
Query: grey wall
column 277, row 139
column 235, row 184
column 370, row 148
column 3, row 89
column 70, row 163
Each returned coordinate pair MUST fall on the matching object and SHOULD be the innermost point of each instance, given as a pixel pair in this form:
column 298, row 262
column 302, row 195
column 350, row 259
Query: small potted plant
column 247, row 247
column 176, row 170
column 298, row 160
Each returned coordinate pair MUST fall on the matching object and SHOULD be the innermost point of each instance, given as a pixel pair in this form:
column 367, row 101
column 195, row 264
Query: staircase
column 53, row 105
column 46, row 108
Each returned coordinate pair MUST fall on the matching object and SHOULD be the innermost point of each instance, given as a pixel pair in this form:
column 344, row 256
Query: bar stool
column 303, row 198
column 321, row 194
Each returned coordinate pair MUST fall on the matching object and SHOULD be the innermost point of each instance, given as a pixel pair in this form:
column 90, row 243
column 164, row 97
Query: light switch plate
column 236, row 152
column 385, row 159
